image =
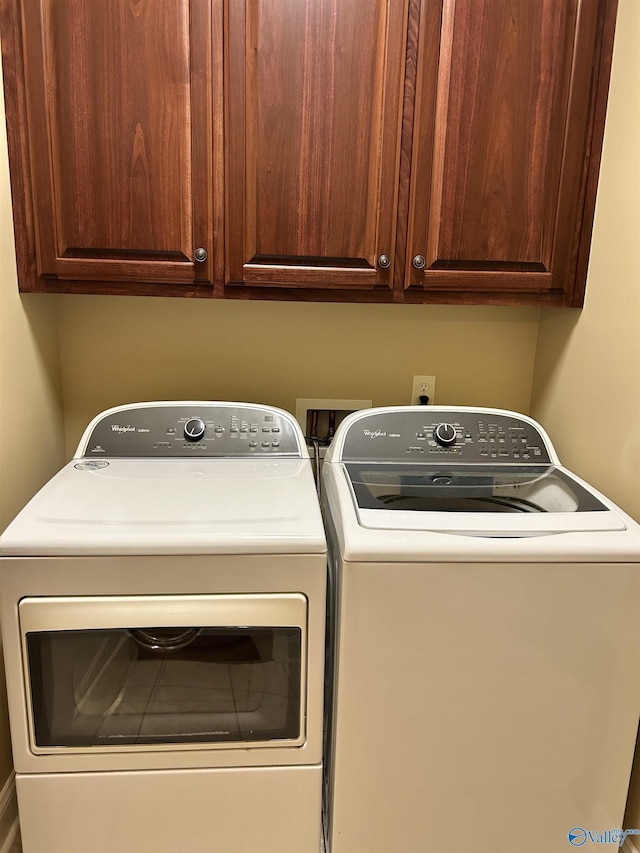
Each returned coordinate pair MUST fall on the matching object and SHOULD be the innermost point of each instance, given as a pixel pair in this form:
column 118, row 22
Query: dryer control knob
column 194, row 429
column 445, row 434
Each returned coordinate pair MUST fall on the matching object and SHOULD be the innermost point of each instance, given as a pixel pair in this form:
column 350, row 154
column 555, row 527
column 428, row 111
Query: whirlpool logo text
column 578, row 836
column 374, row 433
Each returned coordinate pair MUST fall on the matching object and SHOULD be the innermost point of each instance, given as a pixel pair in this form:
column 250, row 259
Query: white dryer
column 163, row 618
column 486, row 632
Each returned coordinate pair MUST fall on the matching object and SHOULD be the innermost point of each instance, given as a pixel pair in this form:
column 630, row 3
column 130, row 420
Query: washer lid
column 171, row 506
column 473, row 489
column 454, row 535
column 507, row 500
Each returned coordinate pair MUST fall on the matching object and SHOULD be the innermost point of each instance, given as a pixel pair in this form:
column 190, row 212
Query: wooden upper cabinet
column 350, row 150
column 506, row 148
column 314, row 115
column 117, row 140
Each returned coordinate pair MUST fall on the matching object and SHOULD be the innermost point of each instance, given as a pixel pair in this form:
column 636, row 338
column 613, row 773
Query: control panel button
column 194, row 429
column 445, row 434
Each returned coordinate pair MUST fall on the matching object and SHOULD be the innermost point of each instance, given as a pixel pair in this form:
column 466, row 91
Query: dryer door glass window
column 114, row 687
column 123, row 686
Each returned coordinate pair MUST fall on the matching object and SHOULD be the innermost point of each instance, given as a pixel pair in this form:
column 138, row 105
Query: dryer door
column 152, row 672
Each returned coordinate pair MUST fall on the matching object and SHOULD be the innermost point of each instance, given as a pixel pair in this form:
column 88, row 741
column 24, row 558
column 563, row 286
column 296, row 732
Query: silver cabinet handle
column 384, row 262
column 419, row 262
column 200, row 255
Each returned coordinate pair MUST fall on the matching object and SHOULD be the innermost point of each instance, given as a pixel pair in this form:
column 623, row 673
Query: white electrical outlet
column 423, row 386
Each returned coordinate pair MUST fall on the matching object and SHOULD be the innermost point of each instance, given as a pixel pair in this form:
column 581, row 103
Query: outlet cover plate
column 423, row 386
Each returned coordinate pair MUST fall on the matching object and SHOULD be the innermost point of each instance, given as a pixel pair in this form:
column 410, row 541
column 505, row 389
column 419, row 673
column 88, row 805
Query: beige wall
column 121, row 349
column 587, row 371
column 31, row 439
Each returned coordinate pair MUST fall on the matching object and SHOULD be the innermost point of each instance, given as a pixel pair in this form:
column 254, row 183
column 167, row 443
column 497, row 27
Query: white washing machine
column 486, row 692
column 163, row 618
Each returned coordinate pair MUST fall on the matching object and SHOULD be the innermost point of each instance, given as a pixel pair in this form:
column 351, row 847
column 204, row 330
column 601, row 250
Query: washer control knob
column 194, row 429
column 445, row 434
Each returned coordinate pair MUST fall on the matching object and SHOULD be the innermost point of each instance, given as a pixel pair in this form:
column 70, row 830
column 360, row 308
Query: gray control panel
column 436, row 435
column 188, row 430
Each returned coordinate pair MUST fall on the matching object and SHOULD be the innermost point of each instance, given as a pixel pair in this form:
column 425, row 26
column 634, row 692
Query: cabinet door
column 119, row 132
column 314, row 119
column 504, row 112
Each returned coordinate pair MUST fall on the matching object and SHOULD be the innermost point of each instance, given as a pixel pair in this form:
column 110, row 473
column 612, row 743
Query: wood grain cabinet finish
column 506, row 147
column 114, row 105
column 400, row 151
column 314, row 108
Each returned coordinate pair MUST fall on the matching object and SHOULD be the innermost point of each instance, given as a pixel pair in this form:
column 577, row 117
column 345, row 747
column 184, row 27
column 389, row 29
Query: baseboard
column 629, row 845
column 9, row 825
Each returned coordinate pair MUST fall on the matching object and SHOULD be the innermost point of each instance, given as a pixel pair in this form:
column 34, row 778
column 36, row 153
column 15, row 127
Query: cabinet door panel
column 498, row 162
column 314, row 123
column 118, row 109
